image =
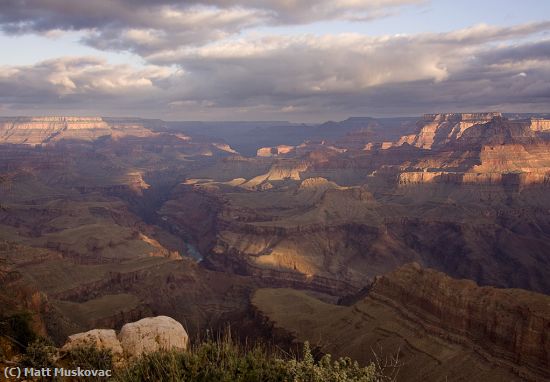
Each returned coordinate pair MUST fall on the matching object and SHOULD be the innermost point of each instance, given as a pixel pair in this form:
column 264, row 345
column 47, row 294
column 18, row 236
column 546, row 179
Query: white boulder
column 100, row 338
column 152, row 334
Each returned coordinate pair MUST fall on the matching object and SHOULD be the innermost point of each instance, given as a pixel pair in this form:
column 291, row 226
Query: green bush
column 210, row 360
column 90, row 358
column 17, row 329
column 40, row 353
column 341, row 370
column 221, row 361
column 225, row 361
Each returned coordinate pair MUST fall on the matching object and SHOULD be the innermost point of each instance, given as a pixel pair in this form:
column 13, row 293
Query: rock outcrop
column 282, row 170
column 439, row 129
column 539, row 124
column 511, row 325
column 467, row 195
column 152, row 334
column 136, row 338
column 274, row 151
column 99, row 338
column 40, row 130
column 480, row 148
column 435, row 131
column 442, row 328
column 351, row 214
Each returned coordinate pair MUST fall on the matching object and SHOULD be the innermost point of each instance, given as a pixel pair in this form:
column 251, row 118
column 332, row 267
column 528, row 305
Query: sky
column 301, row 61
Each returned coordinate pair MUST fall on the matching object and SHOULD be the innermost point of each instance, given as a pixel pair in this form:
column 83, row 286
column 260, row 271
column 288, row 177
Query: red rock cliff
column 509, row 324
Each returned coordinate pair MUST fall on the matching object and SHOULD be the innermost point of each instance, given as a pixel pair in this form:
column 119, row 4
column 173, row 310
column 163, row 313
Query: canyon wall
column 40, row 130
column 439, row 129
column 539, row 124
column 512, row 325
column 438, row 328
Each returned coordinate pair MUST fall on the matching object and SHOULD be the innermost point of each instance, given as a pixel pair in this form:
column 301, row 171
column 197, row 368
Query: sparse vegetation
column 218, row 359
column 16, row 335
column 17, row 329
column 40, row 353
column 223, row 360
column 90, row 358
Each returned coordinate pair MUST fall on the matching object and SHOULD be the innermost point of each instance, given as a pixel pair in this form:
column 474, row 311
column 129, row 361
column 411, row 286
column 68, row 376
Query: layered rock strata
column 438, row 129
column 440, row 328
column 511, row 325
column 39, row 130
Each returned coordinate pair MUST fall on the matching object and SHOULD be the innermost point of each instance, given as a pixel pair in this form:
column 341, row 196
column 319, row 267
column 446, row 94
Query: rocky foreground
column 156, row 349
column 135, row 339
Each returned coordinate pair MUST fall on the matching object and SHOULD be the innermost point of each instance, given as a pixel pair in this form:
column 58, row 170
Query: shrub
column 210, row 360
column 225, row 361
column 90, row 358
column 222, row 361
column 341, row 370
column 40, row 353
column 17, row 328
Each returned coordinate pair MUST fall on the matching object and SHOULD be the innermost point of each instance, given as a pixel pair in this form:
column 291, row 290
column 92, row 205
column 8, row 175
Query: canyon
column 351, row 214
column 109, row 220
column 436, row 326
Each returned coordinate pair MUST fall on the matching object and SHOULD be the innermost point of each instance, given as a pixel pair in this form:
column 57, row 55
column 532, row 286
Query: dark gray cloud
column 144, row 27
column 302, row 77
column 199, row 66
column 44, row 15
column 354, row 72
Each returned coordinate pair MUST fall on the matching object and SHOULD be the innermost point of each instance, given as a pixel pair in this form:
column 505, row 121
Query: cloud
column 307, row 11
column 170, row 28
column 82, row 81
column 144, row 27
column 304, row 77
column 280, row 70
column 43, row 15
column 325, row 70
column 487, row 33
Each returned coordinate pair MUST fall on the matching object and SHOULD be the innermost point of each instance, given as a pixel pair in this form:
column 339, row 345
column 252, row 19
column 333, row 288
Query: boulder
column 152, row 334
column 100, row 338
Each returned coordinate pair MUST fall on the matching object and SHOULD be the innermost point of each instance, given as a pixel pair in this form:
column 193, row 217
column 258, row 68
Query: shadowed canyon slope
column 107, row 220
column 438, row 327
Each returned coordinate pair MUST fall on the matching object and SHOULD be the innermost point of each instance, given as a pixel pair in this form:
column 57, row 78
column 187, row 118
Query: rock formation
column 98, row 338
column 509, row 324
column 40, row 130
column 439, row 129
column 442, row 327
column 274, row 151
column 484, row 150
column 352, row 214
column 136, row 338
column 539, row 124
column 152, row 334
